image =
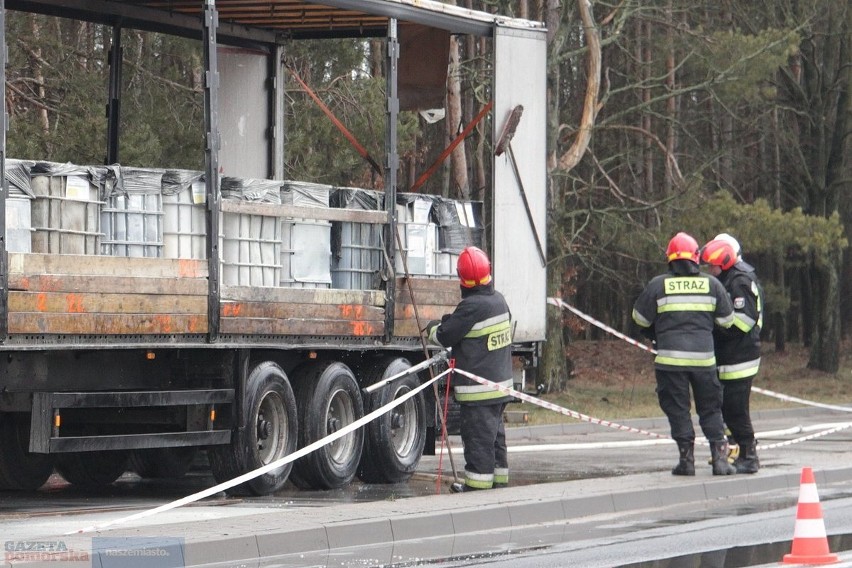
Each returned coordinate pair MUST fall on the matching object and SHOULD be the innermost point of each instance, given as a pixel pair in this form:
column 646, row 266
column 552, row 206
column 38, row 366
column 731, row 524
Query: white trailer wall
column 519, row 79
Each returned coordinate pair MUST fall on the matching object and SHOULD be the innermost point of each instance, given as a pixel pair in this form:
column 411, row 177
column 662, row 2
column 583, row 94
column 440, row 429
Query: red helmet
column 682, row 246
column 719, row 252
column 474, row 268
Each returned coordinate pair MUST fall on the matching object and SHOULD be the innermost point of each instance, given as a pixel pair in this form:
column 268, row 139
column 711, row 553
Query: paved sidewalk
column 448, row 525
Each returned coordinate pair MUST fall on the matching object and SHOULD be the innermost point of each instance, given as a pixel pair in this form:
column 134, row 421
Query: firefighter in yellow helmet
column 679, row 310
column 479, row 331
column 737, row 348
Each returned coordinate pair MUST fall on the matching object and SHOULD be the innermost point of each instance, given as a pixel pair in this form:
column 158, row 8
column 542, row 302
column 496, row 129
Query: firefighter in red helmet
column 479, row 331
column 679, row 310
column 737, row 348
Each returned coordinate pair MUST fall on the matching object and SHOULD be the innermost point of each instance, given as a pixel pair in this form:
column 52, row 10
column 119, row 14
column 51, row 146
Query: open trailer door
column 520, row 178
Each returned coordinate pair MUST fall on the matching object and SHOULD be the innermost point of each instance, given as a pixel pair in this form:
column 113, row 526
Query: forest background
column 663, row 115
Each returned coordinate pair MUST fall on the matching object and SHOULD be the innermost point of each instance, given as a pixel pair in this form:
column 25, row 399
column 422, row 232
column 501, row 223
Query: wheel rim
column 403, row 423
column 339, row 414
column 272, row 430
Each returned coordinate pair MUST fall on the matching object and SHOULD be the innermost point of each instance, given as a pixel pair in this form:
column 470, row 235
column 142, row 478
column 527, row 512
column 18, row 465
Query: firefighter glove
column 431, row 331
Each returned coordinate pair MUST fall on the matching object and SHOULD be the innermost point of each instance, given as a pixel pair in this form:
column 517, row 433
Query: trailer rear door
column 519, row 273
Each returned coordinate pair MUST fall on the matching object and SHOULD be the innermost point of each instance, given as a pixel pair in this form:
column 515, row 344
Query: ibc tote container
column 305, row 243
column 305, row 253
column 19, row 206
column 65, row 209
column 418, row 237
column 419, row 245
column 357, row 260
column 184, row 220
column 132, row 216
column 250, row 245
column 459, row 226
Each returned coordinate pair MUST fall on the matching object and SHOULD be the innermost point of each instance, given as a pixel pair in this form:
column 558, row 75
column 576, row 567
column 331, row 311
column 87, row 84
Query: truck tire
column 270, row 433
column 20, row 470
column 162, row 463
column 329, row 399
column 92, row 469
column 394, row 441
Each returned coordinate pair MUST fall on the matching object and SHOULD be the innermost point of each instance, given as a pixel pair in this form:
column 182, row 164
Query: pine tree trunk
column 825, row 352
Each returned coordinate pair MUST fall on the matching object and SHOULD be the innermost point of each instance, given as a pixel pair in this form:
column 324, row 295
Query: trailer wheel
column 270, row 433
column 92, row 469
column 20, row 470
column 162, row 463
column 394, row 441
column 329, row 399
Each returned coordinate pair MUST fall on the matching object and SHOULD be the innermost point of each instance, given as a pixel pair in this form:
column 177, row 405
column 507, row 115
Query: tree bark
column 593, row 77
column 554, row 366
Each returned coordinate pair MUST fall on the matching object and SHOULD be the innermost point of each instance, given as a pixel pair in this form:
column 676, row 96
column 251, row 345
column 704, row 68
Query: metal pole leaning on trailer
column 504, row 143
column 424, row 343
column 437, row 358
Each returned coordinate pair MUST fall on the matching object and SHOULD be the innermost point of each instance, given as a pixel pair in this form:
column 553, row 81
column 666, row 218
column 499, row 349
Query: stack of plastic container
column 65, row 209
column 184, row 223
column 306, row 243
column 132, row 215
column 357, row 261
column 250, row 244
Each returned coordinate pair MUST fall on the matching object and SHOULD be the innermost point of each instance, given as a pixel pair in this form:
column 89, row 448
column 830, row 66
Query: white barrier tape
column 805, row 438
column 442, row 356
column 826, row 429
column 557, row 408
column 800, row 400
column 268, row 467
column 561, row 303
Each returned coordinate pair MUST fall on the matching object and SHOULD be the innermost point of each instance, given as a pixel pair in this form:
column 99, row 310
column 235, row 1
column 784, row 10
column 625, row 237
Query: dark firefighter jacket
column 479, row 331
column 681, row 309
column 738, row 347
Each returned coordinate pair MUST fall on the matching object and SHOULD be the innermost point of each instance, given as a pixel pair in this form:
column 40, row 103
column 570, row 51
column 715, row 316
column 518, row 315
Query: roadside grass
column 613, row 380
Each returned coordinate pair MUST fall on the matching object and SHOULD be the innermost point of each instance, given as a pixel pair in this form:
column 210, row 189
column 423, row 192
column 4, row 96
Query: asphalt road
column 576, row 483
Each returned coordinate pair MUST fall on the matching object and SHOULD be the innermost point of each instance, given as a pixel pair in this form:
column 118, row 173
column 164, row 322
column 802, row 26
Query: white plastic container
column 306, row 253
column 18, row 223
column 250, row 249
column 418, row 243
column 184, row 222
column 132, row 215
column 358, row 258
column 133, row 225
column 65, row 214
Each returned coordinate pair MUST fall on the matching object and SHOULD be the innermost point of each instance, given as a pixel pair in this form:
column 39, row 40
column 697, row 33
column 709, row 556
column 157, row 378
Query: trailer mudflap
column 46, row 422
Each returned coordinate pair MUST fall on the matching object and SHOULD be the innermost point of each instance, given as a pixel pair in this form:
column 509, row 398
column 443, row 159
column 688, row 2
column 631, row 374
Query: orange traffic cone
column 810, row 543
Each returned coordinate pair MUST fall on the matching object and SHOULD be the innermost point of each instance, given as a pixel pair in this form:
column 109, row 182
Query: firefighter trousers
column 735, row 409
column 673, row 393
column 484, row 437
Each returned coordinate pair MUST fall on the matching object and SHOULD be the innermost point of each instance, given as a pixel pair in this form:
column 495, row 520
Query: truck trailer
column 150, row 313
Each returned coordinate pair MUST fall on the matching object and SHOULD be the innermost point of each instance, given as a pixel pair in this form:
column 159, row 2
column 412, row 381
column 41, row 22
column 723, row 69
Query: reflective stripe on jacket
column 738, row 348
column 682, row 309
column 479, row 331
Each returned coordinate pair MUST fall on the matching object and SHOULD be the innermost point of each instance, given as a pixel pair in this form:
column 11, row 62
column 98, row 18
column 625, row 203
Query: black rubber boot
column 459, row 487
column 747, row 461
column 686, row 464
column 719, row 455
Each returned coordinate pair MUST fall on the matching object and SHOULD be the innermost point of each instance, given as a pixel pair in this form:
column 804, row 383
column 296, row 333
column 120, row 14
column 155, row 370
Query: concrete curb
column 446, row 526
